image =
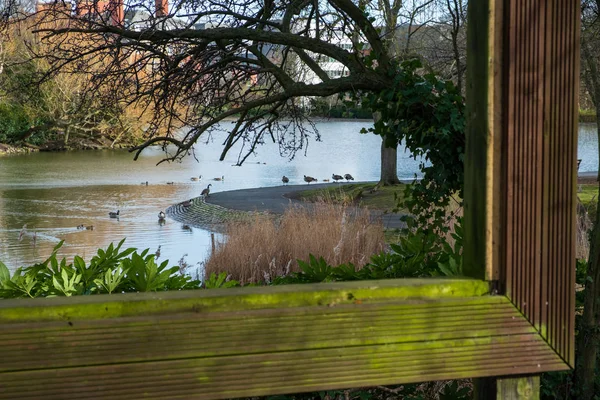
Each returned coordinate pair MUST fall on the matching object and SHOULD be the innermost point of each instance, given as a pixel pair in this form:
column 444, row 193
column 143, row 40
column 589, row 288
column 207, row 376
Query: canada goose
column 161, row 215
column 157, row 254
column 337, row 177
column 89, row 228
column 206, row 191
column 348, row 177
column 114, row 214
column 186, row 203
column 194, row 178
column 222, row 178
column 144, row 183
column 80, row 227
column 170, row 183
column 309, row 179
column 285, row 180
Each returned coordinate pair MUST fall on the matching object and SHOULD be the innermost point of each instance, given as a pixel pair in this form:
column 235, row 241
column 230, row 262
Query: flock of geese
column 206, row 192
column 309, row 179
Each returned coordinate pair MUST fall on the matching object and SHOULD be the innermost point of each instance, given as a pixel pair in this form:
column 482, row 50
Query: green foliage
column 427, row 115
column 13, row 122
column 560, row 385
column 452, row 390
column 215, row 281
column 419, row 253
column 109, row 271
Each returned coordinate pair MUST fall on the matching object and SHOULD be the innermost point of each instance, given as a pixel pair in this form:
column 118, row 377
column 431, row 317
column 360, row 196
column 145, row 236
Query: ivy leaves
column 427, row 115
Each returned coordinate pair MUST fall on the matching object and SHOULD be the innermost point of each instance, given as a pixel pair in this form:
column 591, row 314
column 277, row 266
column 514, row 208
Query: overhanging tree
column 253, row 62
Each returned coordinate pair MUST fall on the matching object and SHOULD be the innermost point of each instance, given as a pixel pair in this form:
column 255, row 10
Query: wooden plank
column 233, row 299
column 539, row 95
column 253, row 375
column 209, row 353
column 521, row 388
column 525, row 120
column 59, row 344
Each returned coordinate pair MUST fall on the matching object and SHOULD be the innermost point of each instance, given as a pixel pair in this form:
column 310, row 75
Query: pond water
column 53, row 193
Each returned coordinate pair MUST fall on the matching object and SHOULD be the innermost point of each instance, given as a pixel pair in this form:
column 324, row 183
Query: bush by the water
column 267, row 248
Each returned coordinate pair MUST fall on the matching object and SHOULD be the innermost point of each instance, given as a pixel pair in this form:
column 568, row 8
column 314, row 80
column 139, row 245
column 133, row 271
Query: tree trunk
column 587, row 340
column 389, row 165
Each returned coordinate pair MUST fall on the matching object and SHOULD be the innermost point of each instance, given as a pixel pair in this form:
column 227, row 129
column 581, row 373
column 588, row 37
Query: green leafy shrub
column 215, row 281
column 14, row 122
column 109, row 271
column 418, row 254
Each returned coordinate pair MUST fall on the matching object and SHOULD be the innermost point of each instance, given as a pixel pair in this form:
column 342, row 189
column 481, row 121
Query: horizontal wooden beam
column 232, row 299
column 255, row 341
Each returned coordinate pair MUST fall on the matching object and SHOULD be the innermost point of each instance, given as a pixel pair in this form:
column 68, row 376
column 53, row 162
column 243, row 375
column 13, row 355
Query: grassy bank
column 588, row 116
column 368, row 195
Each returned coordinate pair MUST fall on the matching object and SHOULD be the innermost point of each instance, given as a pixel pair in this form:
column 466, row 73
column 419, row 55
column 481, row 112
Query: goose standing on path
column 309, row 179
column 206, row 191
column 285, row 180
column 113, row 214
column 348, row 177
column 337, row 177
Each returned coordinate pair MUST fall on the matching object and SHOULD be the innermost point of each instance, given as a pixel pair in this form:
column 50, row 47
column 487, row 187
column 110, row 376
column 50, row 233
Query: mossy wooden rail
column 226, row 343
column 522, row 88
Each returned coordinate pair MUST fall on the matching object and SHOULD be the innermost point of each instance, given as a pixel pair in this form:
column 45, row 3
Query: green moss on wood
column 329, row 294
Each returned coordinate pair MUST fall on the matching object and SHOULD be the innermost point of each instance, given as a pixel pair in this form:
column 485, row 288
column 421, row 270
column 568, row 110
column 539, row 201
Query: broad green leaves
column 109, row 271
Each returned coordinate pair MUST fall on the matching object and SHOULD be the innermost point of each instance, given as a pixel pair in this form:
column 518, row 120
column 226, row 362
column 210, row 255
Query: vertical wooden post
column 519, row 388
column 520, row 165
column 482, row 202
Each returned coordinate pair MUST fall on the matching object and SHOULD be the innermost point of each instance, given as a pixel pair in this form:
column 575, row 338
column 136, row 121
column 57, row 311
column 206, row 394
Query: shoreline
column 243, row 204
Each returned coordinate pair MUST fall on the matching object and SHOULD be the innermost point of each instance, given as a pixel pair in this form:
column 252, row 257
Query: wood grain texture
column 233, row 299
column 540, row 143
column 204, row 354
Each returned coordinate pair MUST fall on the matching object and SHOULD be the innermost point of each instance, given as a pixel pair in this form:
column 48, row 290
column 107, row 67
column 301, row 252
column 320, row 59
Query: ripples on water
column 53, row 193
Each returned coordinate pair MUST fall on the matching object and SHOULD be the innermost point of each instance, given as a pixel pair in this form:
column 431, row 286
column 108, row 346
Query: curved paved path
column 225, row 206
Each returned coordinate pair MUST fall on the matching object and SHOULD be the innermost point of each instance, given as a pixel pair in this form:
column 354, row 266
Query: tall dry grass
column 266, row 248
column 584, row 228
